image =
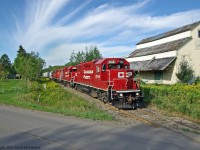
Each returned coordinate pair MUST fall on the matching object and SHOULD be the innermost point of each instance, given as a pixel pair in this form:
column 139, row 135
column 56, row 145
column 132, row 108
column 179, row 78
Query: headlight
column 137, row 94
column 121, row 94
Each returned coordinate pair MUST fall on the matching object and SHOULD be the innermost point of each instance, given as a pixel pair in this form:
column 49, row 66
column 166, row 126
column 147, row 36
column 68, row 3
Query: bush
column 197, row 81
column 186, row 73
column 183, row 99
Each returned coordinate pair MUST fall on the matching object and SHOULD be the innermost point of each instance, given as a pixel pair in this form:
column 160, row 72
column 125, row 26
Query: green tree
column 79, row 57
column 92, row 54
column 6, row 64
column 20, row 60
column 21, row 51
column 82, row 56
column 3, row 72
column 28, row 65
column 185, row 73
column 96, row 53
column 33, row 65
column 72, row 59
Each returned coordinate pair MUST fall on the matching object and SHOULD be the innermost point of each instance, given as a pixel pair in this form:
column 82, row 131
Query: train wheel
column 99, row 95
column 104, row 98
column 72, row 84
column 67, row 84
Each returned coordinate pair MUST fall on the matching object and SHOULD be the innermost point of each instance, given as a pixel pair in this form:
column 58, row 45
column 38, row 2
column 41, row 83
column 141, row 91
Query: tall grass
column 182, row 99
column 47, row 95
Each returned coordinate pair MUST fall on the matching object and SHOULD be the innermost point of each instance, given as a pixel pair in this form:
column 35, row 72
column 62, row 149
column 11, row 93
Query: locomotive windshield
column 115, row 66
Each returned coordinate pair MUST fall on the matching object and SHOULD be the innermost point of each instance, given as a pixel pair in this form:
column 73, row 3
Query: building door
column 158, row 75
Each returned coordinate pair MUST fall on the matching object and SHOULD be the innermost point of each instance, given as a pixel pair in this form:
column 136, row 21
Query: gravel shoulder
column 160, row 119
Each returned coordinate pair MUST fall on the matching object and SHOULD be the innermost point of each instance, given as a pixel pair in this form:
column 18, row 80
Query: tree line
column 83, row 56
column 30, row 65
column 27, row 65
column 88, row 54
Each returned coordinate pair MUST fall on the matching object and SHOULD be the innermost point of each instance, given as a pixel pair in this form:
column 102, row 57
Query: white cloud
column 61, row 54
column 110, row 28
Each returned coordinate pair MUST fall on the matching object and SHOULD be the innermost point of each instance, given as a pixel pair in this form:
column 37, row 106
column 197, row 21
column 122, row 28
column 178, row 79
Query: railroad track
column 167, row 122
column 120, row 112
column 132, row 116
column 147, row 116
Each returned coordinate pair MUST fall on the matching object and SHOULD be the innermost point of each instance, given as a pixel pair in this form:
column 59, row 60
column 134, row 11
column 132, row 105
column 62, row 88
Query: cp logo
column 120, row 74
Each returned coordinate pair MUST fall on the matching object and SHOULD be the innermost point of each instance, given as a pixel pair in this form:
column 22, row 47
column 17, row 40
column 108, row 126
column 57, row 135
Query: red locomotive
column 108, row 79
column 68, row 75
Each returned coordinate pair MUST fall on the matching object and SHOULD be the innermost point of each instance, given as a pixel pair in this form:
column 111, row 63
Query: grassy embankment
column 52, row 99
column 183, row 100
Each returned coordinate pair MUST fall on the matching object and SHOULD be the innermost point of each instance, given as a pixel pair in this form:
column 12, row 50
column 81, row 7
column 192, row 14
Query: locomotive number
column 97, row 76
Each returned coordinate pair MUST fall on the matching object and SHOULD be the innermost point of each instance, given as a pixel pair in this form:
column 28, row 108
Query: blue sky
column 55, row 28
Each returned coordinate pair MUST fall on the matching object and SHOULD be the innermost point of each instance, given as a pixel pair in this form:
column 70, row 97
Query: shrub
column 183, row 99
column 185, row 73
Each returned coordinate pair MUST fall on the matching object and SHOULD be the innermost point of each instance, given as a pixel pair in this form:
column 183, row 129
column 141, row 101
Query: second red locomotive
column 108, row 79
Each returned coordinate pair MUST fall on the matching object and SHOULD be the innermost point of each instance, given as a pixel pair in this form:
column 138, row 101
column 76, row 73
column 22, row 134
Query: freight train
column 109, row 79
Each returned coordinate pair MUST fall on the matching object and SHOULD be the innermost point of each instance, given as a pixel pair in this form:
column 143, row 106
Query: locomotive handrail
column 109, row 81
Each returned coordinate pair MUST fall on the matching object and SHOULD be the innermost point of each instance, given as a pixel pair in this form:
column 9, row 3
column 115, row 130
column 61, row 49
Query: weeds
column 46, row 95
column 182, row 99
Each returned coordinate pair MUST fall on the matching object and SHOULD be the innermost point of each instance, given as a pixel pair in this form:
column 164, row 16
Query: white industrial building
column 157, row 58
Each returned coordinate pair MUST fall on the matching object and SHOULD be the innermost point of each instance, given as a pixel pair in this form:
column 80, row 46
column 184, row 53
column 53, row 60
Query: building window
column 158, row 75
column 198, row 33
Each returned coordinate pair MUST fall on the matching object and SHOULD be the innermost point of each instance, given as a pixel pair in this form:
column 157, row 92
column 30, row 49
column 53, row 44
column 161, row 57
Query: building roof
column 170, row 33
column 166, row 47
column 153, row 64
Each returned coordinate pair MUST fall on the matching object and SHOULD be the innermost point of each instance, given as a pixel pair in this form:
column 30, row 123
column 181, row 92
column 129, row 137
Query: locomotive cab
column 122, row 90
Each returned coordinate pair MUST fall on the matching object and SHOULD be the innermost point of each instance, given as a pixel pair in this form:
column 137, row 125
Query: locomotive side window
column 104, row 67
column 97, row 69
column 74, row 70
column 126, row 66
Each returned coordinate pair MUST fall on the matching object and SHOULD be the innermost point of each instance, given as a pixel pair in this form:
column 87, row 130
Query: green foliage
column 34, row 65
column 81, row 56
column 92, row 54
column 28, row 65
column 3, row 72
column 182, row 99
column 197, row 80
column 186, row 73
column 6, row 66
column 53, row 98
